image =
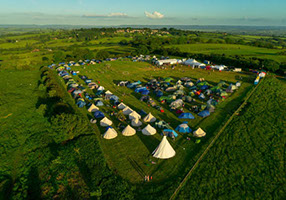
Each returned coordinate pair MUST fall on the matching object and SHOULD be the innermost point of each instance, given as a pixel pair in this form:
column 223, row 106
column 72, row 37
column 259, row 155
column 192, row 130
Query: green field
column 138, row 148
column 247, row 162
column 232, row 49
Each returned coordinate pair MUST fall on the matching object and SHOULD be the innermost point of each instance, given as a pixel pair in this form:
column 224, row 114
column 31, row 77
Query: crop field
column 122, row 152
column 249, row 154
column 232, row 49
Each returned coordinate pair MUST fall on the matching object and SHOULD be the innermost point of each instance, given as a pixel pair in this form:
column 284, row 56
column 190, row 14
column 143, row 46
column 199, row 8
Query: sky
column 144, row 12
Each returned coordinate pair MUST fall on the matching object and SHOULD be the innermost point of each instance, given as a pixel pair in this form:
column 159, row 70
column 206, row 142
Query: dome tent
column 134, row 115
column 128, row 131
column 149, row 130
column 199, row 133
column 186, row 116
column 184, row 128
column 98, row 114
column 204, row 113
column 105, row 122
column 136, row 123
column 110, row 133
column 149, row 118
column 164, row 150
column 92, row 108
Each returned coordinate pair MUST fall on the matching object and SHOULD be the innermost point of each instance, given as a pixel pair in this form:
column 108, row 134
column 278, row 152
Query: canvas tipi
column 92, row 108
column 128, row 131
column 121, row 106
column 149, row 118
column 199, row 133
column 134, row 115
column 164, row 150
column 110, row 134
column 105, row 122
column 127, row 111
column 149, row 130
column 136, row 123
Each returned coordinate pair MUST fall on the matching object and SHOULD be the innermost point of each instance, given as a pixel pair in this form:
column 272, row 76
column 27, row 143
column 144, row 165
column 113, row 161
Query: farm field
column 249, row 153
column 123, row 151
column 232, row 49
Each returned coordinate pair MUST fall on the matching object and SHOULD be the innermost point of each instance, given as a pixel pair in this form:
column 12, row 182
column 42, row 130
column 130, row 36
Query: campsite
column 89, row 115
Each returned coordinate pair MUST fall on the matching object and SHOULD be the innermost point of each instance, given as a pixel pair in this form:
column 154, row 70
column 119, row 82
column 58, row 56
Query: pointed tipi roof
column 127, row 111
column 149, row 130
column 136, row 123
column 110, row 134
column 134, row 115
column 105, row 122
column 164, row 150
column 199, row 133
column 128, row 131
column 92, row 108
column 108, row 92
column 121, row 106
column 149, row 118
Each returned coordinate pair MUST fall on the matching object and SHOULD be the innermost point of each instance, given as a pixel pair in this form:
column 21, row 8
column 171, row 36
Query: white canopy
column 100, row 88
column 121, row 106
column 127, row 111
column 93, row 108
column 149, row 118
column 134, row 115
column 105, row 122
column 136, row 123
column 128, row 131
column 108, row 92
column 164, row 150
column 199, row 133
column 110, row 134
column 149, row 130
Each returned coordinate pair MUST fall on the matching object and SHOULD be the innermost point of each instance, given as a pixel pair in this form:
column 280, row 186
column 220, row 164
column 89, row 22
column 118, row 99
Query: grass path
column 211, row 144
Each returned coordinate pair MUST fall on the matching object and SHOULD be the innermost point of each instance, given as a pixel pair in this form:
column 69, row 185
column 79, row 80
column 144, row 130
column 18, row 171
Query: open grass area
column 232, row 49
column 123, row 151
column 247, row 162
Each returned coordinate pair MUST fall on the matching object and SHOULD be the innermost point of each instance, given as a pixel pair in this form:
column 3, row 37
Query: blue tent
column 159, row 93
column 80, row 104
column 88, row 81
column 202, row 96
column 186, row 116
column 204, row 113
column 98, row 114
column 99, row 103
column 73, row 73
column 204, row 87
column 114, row 98
column 145, row 92
column 184, row 128
column 138, row 90
column 170, row 133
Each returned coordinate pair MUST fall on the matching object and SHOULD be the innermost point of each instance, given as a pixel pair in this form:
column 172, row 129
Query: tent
column 149, row 130
column 114, row 98
column 164, row 150
column 159, row 93
column 149, row 118
column 128, row 131
column 127, row 111
column 110, row 133
column 189, row 84
column 121, row 106
column 98, row 114
column 204, row 113
column 184, row 128
column 202, row 96
column 179, row 92
column 136, row 123
column 176, row 104
column 134, row 115
column 100, row 88
column 186, row 116
column 168, row 79
column 92, row 108
column 163, row 125
column 105, row 122
column 171, row 89
column 170, row 133
column 199, row 133
column 99, row 103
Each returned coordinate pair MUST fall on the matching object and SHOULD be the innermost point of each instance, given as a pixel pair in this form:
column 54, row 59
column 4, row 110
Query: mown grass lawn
column 121, row 152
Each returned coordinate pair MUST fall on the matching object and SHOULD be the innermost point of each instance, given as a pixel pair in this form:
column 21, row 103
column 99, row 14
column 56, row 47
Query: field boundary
column 212, row 142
